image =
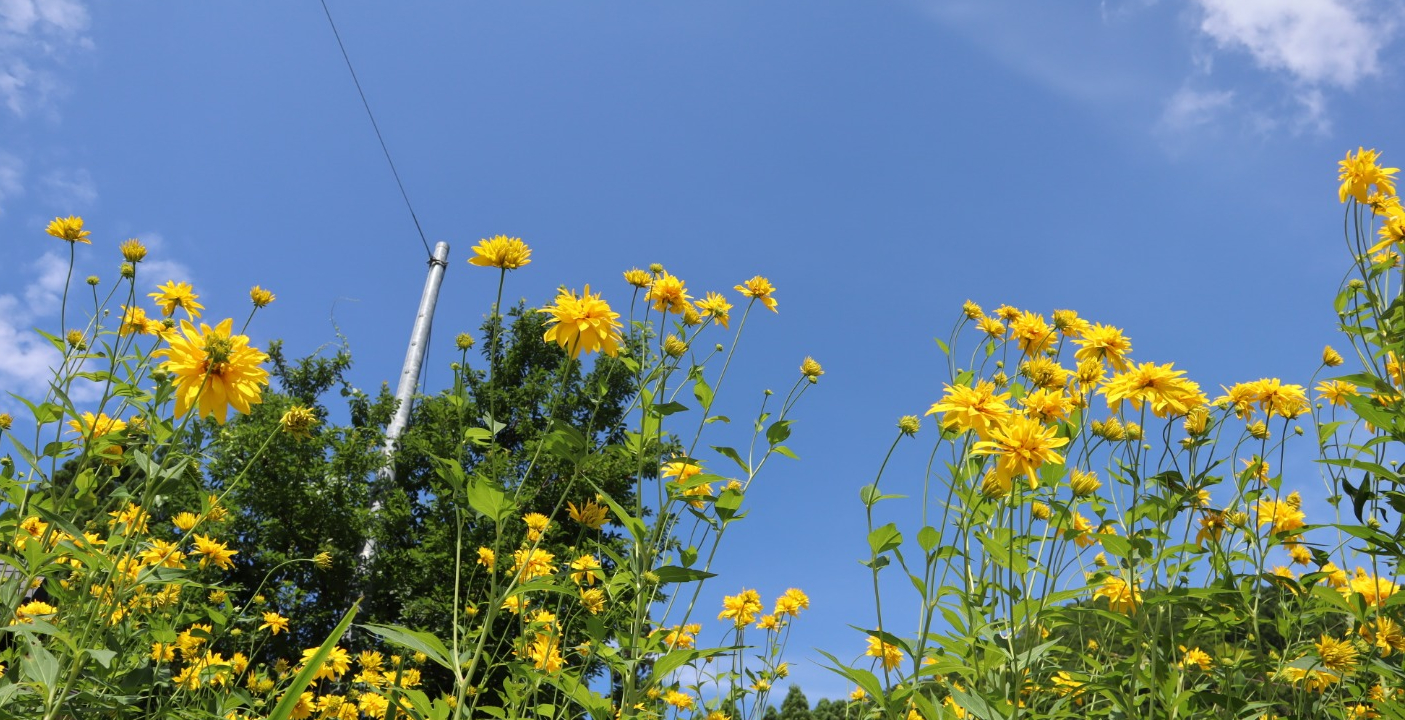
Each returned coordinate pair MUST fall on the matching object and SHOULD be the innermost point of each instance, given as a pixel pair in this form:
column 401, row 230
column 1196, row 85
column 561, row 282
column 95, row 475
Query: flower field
column 1100, row 536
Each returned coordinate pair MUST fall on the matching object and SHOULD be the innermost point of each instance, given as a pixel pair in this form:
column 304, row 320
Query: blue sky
column 1168, row 167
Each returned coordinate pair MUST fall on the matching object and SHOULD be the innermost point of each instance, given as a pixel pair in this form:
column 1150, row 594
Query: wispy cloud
column 35, row 37
column 1316, row 42
column 1190, row 108
column 29, row 358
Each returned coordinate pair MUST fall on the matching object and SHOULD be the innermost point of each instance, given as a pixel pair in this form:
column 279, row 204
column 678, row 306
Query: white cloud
column 29, row 358
column 1189, row 108
column 1317, row 42
column 35, row 36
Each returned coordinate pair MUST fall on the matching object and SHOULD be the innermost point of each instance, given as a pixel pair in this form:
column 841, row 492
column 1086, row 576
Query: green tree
column 304, row 496
column 313, row 495
column 795, row 706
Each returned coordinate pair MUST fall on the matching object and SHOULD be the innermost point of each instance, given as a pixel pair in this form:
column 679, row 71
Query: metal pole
column 409, row 377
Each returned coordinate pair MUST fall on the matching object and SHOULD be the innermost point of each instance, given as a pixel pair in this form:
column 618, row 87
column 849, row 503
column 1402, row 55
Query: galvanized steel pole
column 409, row 377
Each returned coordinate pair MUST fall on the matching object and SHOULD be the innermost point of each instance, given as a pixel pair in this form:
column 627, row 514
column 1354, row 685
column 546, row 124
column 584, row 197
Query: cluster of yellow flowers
column 213, row 369
column 585, row 322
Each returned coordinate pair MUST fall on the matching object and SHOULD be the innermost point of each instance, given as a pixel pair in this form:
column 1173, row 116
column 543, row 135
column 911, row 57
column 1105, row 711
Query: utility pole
column 409, row 378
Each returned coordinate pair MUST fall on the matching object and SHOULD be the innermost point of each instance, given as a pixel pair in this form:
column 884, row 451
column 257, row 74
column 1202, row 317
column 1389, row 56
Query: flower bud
column 133, row 251
column 909, row 424
column 93, row 280
column 463, row 341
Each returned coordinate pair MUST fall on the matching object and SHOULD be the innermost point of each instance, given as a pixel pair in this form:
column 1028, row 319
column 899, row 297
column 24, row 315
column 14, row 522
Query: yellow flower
column 1081, row 532
column 337, row 662
column 715, row 306
column 991, row 326
column 995, row 485
column 1068, row 323
column 1163, row 387
column 679, row 700
column 1280, row 516
column 133, row 251
column 33, row 609
column 1385, row 634
column 674, row 347
column 810, row 368
column 6, row 421
column 214, row 370
column 1083, row 483
column 1121, row 596
column 135, row 322
column 1375, row 590
column 668, row 294
column 1337, row 655
column 214, row 552
column 890, row 655
column 1034, row 335
column 298, row 422
column 1040, row 511
column 583, row 323
column 260, row 297
column 1020, row 446
column 593, row 600
column 1104, row 343
column 585, row 567
column 545, row 653
column 1359, row 174
column 70, row 229
column 1045, row 373
column 741, row 608
column 174, row 295
column 971, row 310
column 99, row 426
column 590, row 514
column 1336, row 391
column 501, row 252
column 533, row 563
column 163, row 652
column 792, row 602
column 274, row 623
column 971, row 409
column 1300, row 555
column 184, row 521
column 486, row 557
column 638, row 278
column 537, row 524
column 759, row 288
column 463, row 341
column 1047, row 405
column 1336, row 577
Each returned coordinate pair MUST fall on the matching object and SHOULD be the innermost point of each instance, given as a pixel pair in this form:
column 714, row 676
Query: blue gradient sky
column 1168, row 167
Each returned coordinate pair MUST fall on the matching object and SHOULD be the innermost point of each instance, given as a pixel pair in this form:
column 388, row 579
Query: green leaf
column 778, row 432
column 668, row 408
column 885, row 538
column 928, row 538
column 293, row 693
column 482, row 437
column 730, row 453
column 702, row 391
column 669, row 574
column 40, row 666
column 102, row 657
column 416, row 640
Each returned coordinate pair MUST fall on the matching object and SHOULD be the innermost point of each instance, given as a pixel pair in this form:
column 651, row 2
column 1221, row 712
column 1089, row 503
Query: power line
column 377, row 128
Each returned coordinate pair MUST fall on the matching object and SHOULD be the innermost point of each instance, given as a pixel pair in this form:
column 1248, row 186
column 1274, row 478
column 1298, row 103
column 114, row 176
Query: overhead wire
column 365, row 103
